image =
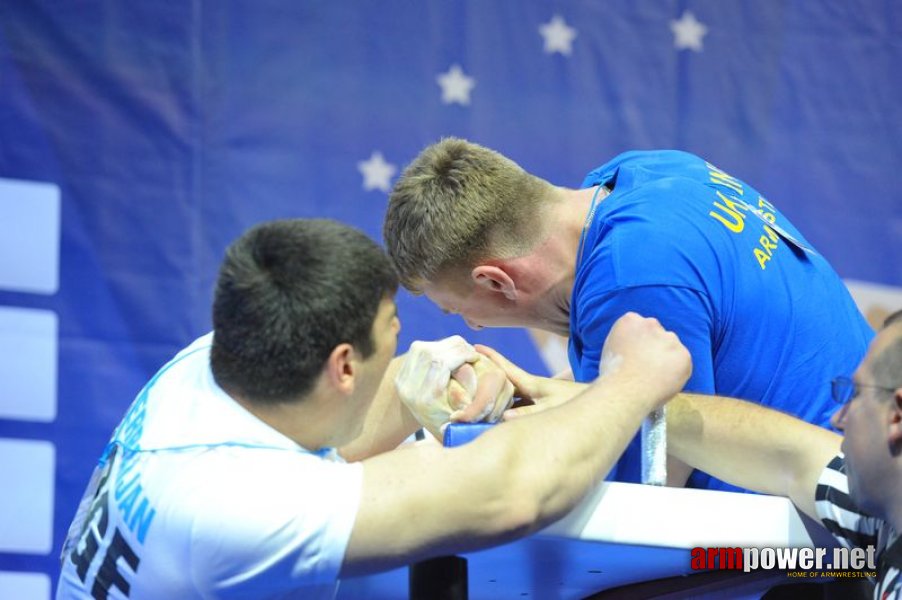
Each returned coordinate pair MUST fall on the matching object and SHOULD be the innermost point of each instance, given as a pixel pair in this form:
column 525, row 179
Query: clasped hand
column 448, row 381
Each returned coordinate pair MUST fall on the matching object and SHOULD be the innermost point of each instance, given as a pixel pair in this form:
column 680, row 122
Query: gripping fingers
column 491, row 390
column 455, row 351
column 525, row 384
column 502, row 405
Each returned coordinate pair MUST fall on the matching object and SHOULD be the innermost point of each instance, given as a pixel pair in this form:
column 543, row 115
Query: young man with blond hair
column 662, row 233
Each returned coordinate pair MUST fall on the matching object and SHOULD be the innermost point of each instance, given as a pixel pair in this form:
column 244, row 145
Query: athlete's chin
column 859, row 496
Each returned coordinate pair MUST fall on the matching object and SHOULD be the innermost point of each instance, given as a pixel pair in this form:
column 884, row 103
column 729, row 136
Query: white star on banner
column 558, row 36
column 377, row 173
column 687, row 32
column 456, row 86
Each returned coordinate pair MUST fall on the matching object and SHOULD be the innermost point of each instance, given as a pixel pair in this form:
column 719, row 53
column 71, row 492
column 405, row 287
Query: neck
column 558, row 255
column 894, row 512
column 293, row 420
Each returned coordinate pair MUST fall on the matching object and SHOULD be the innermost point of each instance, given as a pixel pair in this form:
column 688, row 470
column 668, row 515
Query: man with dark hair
column 272, row 350
column 661, row 233
column 222, row 480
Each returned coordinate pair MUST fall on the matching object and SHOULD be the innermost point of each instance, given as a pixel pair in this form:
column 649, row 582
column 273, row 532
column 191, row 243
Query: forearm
column 587, row 434
column 521, row 475
column 513, row 480
column 388, row 421
column 750, row 446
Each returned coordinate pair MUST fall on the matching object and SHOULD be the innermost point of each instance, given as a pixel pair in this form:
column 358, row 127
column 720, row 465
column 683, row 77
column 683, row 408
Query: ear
column 895, row 424
column 341, row 368
column 495, row 279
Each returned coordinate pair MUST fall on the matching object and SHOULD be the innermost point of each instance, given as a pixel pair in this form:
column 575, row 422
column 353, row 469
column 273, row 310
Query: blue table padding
column 458, row 434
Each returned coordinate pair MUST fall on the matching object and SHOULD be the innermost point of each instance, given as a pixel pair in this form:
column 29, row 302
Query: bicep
column 426, row 501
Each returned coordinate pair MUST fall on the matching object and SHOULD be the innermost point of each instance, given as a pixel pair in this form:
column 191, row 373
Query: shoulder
column 192, row 359
column 268, row 475
column 644, row 239
column 642, row 163
column 203, row 342
column 231, row 491
column 250, row 505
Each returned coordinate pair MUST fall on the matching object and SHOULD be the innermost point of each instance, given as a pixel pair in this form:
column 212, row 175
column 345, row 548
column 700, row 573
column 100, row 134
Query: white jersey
column 197, row 498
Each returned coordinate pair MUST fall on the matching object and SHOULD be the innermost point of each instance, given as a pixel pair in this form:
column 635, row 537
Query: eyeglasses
column 844, row 389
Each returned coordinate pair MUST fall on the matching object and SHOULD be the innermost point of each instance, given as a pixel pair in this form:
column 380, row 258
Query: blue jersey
column 764, row 316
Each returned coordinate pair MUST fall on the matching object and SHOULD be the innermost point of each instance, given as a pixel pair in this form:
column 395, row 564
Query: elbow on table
column 532, row 500
column 512, row 504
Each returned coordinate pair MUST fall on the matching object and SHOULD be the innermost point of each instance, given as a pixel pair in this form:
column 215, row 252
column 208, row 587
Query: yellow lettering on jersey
column 762, row 257
column 767, row 244
column 722, row 178
column 732, row 218
column 762, row 203
column 725, row 180
column 731, row 212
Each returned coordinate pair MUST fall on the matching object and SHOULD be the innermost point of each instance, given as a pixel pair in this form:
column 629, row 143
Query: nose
column 838, row 419
column 472, row 325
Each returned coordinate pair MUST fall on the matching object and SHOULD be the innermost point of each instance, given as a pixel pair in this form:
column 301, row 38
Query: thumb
column 490, row 386
column 526, row 385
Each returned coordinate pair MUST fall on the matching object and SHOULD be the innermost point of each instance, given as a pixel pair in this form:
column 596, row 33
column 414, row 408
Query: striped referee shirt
column 854, row 528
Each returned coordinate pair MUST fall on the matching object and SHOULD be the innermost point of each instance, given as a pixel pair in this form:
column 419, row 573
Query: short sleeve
column 272, row 522
column 681, row 310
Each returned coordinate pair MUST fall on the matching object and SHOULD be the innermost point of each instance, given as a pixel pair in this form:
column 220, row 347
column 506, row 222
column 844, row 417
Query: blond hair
column 458, row 203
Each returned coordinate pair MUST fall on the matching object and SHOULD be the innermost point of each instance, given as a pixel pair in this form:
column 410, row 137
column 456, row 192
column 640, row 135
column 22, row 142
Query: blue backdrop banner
column 137, row 139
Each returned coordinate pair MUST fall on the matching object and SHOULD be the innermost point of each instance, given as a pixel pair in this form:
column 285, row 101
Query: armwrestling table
column 618, row 537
